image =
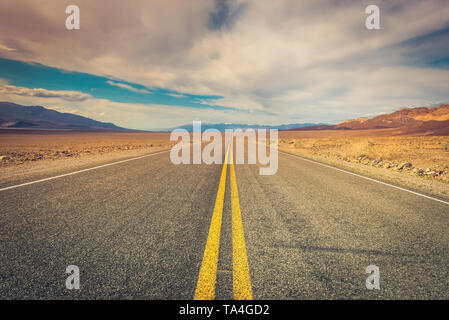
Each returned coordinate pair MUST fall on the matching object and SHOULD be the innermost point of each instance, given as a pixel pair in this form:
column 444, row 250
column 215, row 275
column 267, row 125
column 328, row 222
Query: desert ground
column 420, row 162
column 34, row 154
column 21, row 146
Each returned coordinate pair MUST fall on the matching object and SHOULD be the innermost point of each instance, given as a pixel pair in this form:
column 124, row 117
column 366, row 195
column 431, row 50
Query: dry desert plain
column 33, row 154
column 418, row 162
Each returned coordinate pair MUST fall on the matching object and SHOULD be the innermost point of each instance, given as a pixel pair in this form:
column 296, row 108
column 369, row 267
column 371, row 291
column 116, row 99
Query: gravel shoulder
column 425, row 184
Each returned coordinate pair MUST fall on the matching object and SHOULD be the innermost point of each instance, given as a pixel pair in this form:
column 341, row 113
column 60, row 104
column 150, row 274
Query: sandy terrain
column 371, row 145
column 32, row 154
column 21, row 146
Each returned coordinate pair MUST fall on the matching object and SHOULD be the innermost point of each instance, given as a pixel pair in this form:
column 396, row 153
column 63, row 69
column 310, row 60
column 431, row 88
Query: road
column 139, row 230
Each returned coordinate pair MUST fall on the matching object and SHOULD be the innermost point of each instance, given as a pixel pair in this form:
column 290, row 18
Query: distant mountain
column 425, row 120
column 223, row 126
column 17, row 116
column 402, row 117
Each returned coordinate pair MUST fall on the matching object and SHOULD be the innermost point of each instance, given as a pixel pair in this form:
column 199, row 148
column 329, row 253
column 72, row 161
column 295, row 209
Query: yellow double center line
column 205, row 288
column 241, row 277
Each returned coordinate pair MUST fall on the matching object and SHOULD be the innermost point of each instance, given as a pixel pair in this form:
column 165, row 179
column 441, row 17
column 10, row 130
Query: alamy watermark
column 372, row 22
column 72, row 22
column 373, row 280
column 212, row 152
column 73, row 280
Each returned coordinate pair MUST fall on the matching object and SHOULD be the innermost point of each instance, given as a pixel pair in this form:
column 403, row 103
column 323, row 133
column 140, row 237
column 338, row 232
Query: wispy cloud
column 6, row 48
column 128, row 87
column 43, row 93
column 137, row 116
column 176, row 95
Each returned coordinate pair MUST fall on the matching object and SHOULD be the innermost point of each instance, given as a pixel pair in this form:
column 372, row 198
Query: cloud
column 136, row 116
column 297, row 60
column 176, row 95
column 43, row 93
column 128, row 87
column 4, row 47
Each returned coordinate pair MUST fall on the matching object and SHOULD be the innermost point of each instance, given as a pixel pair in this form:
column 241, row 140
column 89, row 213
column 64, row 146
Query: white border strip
column 360, row 176
column 79, row 171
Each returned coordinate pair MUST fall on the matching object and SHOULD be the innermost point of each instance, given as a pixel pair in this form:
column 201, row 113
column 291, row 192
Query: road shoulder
column 427, row 186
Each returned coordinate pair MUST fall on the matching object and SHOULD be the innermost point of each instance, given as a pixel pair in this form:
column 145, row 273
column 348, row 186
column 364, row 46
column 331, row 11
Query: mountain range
column 422, row 120
column 36, row 117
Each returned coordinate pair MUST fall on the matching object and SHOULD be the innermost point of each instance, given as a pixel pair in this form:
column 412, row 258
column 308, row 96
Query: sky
column 160, row 64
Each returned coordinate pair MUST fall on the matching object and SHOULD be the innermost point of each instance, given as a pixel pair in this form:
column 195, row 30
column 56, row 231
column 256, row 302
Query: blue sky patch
column 35, row 75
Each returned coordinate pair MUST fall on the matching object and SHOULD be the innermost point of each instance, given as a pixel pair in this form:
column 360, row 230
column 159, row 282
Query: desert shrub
column 298, row 144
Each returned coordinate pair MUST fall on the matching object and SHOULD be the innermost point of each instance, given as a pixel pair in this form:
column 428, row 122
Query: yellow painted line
column 241, row 276
column 205, row 287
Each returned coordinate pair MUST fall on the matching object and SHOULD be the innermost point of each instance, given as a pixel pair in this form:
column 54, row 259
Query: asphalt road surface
column 144, row 229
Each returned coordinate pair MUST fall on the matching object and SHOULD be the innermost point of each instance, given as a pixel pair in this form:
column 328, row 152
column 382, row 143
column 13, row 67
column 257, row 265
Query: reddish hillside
column 428, row 128
column 400, row 118
column 425, row 120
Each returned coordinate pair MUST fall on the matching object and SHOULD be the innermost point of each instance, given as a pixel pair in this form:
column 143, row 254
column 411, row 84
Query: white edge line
column 360, row 176
column 80, row 171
